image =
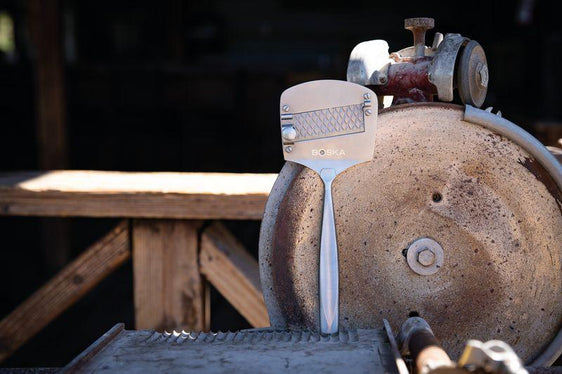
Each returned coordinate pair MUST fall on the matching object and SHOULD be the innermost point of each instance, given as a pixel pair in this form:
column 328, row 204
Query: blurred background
column 194, row 86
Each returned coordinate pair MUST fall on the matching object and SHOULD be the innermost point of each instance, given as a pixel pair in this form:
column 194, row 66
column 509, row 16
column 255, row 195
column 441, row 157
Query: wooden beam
column 68, row 286
column 44, row 30
column 169, row 290
column 234, row 272
column 50, row 115
column 135, row 195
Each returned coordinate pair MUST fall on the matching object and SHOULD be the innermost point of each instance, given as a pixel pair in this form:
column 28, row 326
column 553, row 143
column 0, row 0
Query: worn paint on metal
column 498, row 223
column 543, row 176
column 408, row 80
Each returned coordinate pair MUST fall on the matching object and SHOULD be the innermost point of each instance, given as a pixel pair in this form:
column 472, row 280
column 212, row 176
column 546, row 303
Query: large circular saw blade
column 489, row 204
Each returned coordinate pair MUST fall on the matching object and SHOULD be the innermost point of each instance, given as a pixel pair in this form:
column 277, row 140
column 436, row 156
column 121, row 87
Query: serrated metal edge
column 251, row 337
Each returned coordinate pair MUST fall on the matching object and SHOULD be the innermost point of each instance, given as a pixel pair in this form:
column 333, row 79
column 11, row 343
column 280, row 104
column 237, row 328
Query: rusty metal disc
column 489, row 204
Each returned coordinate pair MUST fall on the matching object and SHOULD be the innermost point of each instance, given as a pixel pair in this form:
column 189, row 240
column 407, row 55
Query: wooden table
column 174, row 251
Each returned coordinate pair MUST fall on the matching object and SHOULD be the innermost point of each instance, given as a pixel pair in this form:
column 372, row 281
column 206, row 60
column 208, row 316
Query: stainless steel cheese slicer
column 328, row 126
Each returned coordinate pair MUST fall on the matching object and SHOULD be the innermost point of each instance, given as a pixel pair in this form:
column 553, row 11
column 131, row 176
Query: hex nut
column 426, row 257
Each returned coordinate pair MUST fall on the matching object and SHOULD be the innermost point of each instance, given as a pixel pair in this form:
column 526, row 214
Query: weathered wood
column 73, row 282
column 44, row 30
column 169, row 290
column 234, row 272
column 135, row 195
column 50, row 119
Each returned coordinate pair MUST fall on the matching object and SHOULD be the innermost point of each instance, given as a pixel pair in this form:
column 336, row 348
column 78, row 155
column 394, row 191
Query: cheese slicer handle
column 328, row 280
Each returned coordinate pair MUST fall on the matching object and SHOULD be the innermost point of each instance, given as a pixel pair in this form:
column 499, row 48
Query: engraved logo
column 328, row 152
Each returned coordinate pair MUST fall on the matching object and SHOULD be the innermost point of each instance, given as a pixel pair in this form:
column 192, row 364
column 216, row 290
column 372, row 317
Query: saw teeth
column 489, row 110
column 250, row 337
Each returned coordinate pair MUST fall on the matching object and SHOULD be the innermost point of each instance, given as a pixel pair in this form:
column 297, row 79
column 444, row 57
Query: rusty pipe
column 408, row 81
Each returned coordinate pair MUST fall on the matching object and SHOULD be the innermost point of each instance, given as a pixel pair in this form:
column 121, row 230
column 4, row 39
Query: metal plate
column 247, row 351
column 442, row 68
column 499, row 223
column 333, row 122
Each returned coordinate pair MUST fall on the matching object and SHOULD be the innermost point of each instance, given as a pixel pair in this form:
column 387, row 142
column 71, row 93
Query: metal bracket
column 442, row 69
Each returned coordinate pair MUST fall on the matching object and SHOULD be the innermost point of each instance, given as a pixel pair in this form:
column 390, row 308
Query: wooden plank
column 50, row 116
column 168, row 288
column 63, row 290
column 135, row 195
column 234, row 272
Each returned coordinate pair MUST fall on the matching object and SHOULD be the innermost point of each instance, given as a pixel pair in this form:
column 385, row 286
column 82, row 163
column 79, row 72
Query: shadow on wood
column 63, row 290
column 234, row 272
column 169, row 289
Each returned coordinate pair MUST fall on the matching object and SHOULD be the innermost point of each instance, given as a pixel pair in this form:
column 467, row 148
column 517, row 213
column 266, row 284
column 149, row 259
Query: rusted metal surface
column 499, row 225
column 473, row 75
column 408, row 81
column 544, row 177
column 420, row 73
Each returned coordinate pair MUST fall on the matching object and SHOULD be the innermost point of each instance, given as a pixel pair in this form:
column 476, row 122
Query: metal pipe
column 416, row 337
column 418, row 27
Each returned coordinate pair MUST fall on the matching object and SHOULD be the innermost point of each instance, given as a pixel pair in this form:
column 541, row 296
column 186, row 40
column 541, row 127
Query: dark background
column 194, row 86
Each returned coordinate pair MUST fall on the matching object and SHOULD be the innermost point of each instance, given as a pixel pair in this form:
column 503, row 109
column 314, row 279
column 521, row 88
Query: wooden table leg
column 234, row 272
column 168, row 288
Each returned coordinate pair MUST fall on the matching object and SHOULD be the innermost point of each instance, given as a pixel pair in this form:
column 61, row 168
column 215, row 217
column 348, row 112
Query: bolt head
column 367, row 96
column 368, row 112
column 285, row 108
column 426, row 257
column 288, row 149
column 483, row 75
column 289, row 133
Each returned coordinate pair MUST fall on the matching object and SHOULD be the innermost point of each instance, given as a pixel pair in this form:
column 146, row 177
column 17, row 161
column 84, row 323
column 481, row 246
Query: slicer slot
column 328, row 122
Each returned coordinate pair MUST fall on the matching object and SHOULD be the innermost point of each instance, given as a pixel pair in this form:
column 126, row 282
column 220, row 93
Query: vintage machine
column 397, row 210
column 456, row 217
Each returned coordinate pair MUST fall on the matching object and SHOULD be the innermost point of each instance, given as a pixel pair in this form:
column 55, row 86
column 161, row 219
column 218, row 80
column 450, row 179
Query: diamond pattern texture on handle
column 328, row 122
